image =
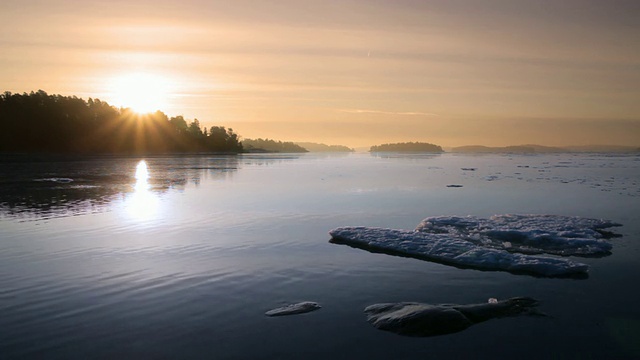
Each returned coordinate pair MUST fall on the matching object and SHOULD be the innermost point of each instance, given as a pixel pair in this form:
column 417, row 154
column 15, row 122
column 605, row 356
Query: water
column 96, row 262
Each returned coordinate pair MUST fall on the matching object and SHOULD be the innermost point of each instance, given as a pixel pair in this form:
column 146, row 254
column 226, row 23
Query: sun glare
column 142, row 92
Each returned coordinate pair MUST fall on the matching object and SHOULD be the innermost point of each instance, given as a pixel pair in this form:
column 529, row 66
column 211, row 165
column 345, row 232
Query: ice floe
column 298, row 308
column 445, row 249
column 417, row 319
column 530, row 234
column 502, row 243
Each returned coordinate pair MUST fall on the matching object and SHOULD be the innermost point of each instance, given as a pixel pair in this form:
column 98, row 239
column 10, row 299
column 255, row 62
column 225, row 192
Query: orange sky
column 357, row 73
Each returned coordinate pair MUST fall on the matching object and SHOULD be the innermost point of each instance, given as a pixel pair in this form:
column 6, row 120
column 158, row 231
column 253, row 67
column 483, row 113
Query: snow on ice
column 502, row 242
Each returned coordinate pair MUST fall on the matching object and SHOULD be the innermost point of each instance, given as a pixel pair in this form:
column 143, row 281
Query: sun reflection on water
column 142, row 176
column 142, row 204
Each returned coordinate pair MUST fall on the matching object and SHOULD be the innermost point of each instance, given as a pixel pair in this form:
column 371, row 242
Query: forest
column 407, row 147
column 41, row 123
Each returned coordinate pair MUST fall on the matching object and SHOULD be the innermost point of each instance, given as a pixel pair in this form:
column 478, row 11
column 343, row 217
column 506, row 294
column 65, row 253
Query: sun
column 141, row 92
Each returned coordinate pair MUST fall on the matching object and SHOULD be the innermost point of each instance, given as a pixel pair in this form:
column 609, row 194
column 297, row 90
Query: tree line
column 39, row 122
column 268, row 145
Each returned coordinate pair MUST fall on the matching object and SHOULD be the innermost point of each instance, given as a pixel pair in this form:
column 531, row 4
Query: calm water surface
column 182, row 261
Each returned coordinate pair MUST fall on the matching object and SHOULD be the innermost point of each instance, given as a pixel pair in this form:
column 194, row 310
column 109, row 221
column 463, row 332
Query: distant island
column 316, row 147
column 540, row 149
column 271, row 146
column 517, row 149
column 603, row 148
column 41, row 123
column 407, row 147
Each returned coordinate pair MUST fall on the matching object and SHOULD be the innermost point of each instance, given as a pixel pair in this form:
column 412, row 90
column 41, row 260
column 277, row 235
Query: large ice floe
column 502, row 242
column 417, row 319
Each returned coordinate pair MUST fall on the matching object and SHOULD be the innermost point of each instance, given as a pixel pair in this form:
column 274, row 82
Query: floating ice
column 299, row 308
column 530, row 234
column 502, row 242
column 451, row 250
column 416, row 319
column 56, row 180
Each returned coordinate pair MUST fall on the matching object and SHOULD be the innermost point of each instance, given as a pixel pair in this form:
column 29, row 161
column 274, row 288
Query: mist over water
column 180, row 257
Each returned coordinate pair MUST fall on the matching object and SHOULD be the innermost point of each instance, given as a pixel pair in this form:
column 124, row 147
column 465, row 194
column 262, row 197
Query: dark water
column 96, row 263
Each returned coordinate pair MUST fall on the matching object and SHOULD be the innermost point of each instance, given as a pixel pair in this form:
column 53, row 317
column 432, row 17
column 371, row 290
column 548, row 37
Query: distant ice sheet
column 529, row 234
column 503, row 242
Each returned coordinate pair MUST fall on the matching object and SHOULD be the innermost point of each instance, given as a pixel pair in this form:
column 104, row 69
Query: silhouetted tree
column 179, row 124
column 220, row 138
column 195, row 130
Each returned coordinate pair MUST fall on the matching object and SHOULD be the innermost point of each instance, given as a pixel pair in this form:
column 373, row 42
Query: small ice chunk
column 417, row 319
column 493, row 301
column 56, row 180
column 298, row 308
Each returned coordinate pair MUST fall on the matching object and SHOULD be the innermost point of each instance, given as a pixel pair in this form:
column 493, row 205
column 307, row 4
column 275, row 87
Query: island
column 541, row 149
column 317, row 147
column 271, row 146
column 411, row 147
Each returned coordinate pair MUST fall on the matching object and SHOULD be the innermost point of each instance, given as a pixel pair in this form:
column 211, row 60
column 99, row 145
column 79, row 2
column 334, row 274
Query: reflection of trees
column 177, row 173
column 57, row 187
column 267, row 159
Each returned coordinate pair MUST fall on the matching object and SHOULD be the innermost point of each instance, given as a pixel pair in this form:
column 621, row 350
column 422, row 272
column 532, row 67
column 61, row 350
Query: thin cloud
column 405, row 113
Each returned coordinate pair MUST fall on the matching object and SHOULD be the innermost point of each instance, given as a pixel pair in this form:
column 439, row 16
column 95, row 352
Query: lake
column 183, row 260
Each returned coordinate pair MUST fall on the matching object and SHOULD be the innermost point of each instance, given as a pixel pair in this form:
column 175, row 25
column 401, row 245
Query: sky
column 349, row 72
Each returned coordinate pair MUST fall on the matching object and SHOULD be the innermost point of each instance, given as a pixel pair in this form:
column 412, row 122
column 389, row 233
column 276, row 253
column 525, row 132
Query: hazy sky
column 351, row 72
